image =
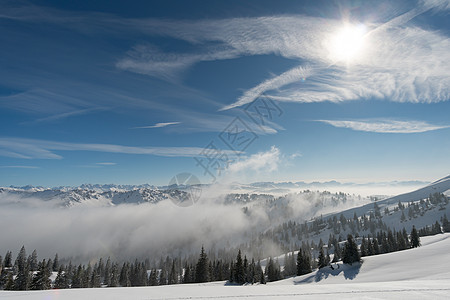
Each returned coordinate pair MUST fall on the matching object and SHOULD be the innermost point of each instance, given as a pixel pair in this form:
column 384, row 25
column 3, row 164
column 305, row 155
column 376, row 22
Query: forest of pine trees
column 27, row 272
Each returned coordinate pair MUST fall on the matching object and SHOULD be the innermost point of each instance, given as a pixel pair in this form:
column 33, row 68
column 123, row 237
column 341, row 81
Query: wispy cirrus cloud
column 401, row 62
column 158, row 125
column 385, row 126
column 19, row 167
column 291, row 76
column 150, row 60
column 42, row 149
column 106, row 163
column 394, row 64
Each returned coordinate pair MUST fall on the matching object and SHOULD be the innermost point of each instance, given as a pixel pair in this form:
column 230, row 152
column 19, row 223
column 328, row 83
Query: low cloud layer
column 122, row 232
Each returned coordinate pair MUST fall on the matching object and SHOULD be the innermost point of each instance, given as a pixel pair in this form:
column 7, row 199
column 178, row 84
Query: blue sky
column 137, row 92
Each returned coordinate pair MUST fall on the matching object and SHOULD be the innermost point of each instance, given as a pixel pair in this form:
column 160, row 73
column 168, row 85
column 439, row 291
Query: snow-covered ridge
column 110, row 194
column 255, row 186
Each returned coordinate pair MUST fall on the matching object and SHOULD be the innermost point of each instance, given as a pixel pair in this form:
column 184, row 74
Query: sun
column 346, row 44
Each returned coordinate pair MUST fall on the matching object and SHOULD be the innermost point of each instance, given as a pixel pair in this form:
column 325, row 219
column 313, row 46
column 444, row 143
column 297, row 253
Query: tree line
column 29, row 273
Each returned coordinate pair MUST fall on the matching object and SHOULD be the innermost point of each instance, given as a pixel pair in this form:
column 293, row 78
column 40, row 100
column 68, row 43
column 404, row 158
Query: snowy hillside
column 420, row 273
column 393, row 219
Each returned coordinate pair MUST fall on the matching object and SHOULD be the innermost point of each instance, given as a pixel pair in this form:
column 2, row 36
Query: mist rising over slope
column 85, row 224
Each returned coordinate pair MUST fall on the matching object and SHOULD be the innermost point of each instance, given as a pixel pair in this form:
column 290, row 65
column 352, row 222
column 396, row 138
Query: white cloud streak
column 385, row 126
column 106, row 163
column 291, row 76
column 31, row 148
column 19, row 167
column 158, row 125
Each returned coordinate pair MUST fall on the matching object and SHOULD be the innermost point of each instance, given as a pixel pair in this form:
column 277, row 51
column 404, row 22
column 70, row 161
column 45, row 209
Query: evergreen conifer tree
column 114, row 275
column 61, row 281
column 239, row 269
column 55, row 265
column 173, row 276
column 415, row 239
column 107, row 273
column 95, row 279
column 33, row 261
column 303, row 262
column 22, row 281
column 321, row 258
column 77, row 278
column 202, row 268
column 41, row 280
column 7, row 262
column 350, row 253
column 445, row 224
column 153, row 280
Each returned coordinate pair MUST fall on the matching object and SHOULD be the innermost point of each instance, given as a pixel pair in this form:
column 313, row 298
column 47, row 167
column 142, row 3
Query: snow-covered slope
column 420, row 273
column 439, row 186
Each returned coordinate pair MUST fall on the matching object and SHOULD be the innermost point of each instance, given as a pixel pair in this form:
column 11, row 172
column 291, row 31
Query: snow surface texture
column 421, row 273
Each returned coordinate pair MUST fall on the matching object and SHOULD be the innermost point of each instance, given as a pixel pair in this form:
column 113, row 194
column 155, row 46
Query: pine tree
column 124, row 279
column 403, row 217
column 173, row 276
column 55, row 265
column 259, row 274
column 436, row 228
column 370, row 249
column 77, row 279
column 251, row 277
column 445, row 224
column 7, row 262
column 337, row 252
column 61, row 281
column 22, row 280
column 273, row 270
column 245, row 269
column 41, row 280
column 239, row 269
column 153, row 280
column 303, row 263
column 401, row 244
column 86, row 279
column 415, row 239
column 262, row 277
column 9, row 286
column 202, row 270
column 350, row 253
column 405, row 238
column 187, row 274
column 95, row 278
column 322, row 260
column 364, row 246
column 33, row 261
column 114, row 276
column 376, row 247
column 107, row 273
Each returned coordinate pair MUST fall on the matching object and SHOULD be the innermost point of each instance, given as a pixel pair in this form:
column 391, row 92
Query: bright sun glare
column 347, row 44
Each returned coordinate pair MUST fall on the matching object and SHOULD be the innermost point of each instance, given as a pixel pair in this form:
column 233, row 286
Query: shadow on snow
column 349, row 271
